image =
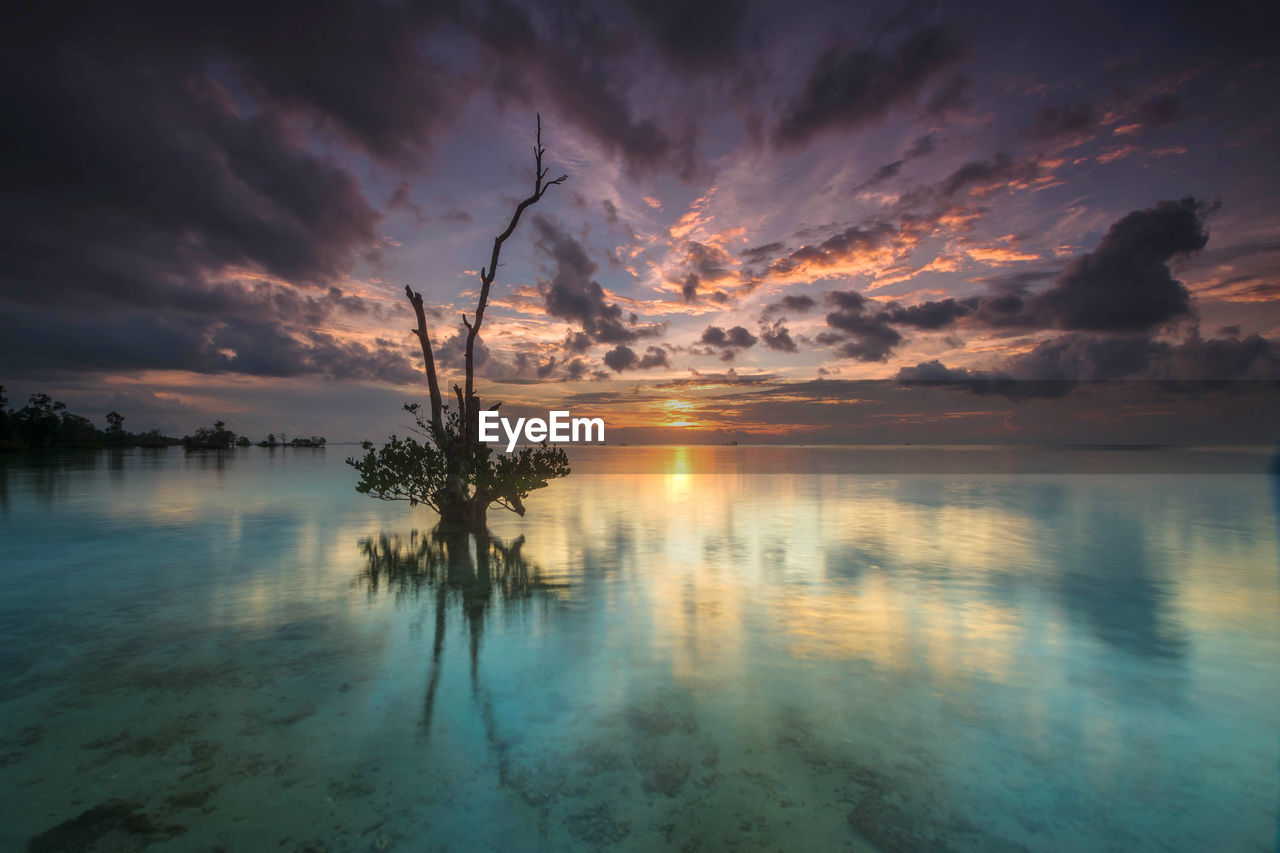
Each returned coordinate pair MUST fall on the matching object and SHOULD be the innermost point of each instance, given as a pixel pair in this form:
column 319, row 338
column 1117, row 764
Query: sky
column 802, row 221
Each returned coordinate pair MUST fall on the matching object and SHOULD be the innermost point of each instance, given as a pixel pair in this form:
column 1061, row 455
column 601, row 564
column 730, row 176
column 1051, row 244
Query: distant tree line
column 285, row 441
column 46, row 424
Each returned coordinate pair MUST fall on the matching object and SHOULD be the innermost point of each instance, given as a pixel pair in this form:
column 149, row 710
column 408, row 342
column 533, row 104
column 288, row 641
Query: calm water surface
column 689, row 648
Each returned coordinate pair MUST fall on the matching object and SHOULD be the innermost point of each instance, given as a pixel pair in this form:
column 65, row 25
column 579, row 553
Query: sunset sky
column 210, row 212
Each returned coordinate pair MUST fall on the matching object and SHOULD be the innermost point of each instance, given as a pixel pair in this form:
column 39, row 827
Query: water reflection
column 697, row 647
column 476, row 572
column 51, row 475
column 474, row 567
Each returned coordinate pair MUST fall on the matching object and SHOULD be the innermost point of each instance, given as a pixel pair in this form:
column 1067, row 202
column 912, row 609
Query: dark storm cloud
column 108, row 202
column 1111, row 304
column 729, row 342
column 735, row 338
column 1086, row 357
column 571, row 60
column 1125, row 283
column 1123, row 286
column 1230, row 357
column 572, row 294
column 166, row 157
column 982, row 382
column 357, row 69
column 1054, row 367
column 697, row 36
column 930, row 315
column 163, row 166
column 796, row 303
column 577, row 342
column 863, row 330
column 622, row 358
column 800, row 303
column 853, row 86
column 777, row 337
column 40, row 341
column 390, row 77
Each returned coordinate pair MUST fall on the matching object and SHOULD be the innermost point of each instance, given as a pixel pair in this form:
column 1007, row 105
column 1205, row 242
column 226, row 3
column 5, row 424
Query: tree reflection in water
column 479, row 572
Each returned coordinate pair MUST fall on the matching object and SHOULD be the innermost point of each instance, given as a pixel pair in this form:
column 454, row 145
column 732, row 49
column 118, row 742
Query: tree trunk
column 470, row 514
column 460, row 508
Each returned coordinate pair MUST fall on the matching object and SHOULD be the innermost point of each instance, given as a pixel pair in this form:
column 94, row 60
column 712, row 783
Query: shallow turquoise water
column 692, row 648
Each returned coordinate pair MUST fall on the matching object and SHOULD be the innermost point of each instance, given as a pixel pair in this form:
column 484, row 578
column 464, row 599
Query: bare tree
column 453, row 471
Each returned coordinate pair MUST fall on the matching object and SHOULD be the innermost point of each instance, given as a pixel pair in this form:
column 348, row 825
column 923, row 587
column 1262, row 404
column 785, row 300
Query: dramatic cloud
column 777, row 337
column 929, row 315
column 798, row 303
column 451, row 353
column 699, row 36
column 171, row 204
column 572, row 294
column 1125, row 284
column 564, row 60
column 1082, row 356
column 853, row 86
column 774, row 334
column 1055, row 366
column 857, row 249
column 192, row 188
column 865, row 328
column 622, row 358
column 121, row 214
column 729, row 343
column 864, row 333
column 703, row 270
column 1086, row 357
column 40, row 341
column 982, row 382
column 736, row 337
